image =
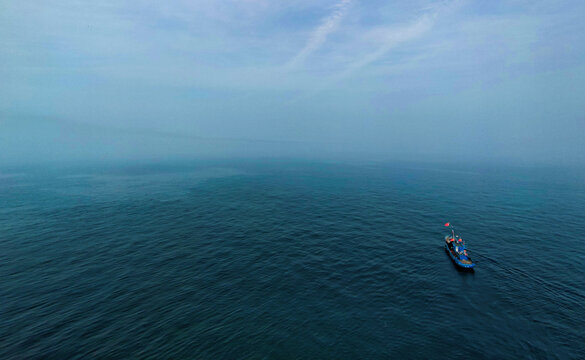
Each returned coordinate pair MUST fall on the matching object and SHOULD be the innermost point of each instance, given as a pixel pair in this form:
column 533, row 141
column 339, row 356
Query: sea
column 290, row 259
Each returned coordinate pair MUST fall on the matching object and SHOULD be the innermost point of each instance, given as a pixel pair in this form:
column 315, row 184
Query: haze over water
column 422, row 80
column 266, row 179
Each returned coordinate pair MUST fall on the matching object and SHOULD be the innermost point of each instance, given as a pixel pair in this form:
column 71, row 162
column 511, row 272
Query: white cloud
column 319, row 36
column 390, row 39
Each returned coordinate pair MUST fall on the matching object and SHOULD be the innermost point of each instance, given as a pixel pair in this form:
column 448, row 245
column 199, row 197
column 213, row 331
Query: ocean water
column 290, row 260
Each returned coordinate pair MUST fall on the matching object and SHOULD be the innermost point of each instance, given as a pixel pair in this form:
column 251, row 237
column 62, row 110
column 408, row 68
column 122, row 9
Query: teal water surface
column 290, row 260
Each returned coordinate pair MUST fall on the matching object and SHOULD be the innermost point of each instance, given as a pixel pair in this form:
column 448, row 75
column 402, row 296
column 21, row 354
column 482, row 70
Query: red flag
column 447, row 224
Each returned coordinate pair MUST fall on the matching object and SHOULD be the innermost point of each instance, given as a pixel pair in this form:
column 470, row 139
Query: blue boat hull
column 457, row 261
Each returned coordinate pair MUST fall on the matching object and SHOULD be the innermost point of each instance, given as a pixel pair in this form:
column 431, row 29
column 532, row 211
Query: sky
column 450, row 80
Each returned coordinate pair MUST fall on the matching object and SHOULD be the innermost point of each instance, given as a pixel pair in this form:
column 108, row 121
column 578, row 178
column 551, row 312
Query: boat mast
column 452, row 230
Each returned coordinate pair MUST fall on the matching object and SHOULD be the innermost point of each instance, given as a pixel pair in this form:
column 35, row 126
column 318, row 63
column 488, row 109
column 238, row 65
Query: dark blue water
column 269, row 260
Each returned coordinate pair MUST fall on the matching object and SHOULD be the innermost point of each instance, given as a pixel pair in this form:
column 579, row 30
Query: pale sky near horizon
column 416, row 79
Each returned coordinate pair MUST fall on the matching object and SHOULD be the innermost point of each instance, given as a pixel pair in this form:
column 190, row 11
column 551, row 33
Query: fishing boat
column 455, row 247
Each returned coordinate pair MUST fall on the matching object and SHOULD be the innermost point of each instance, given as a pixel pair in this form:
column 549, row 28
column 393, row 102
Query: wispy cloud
column 389, row 40
column 391, row 37
column 386, row 39
column 319, row 35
